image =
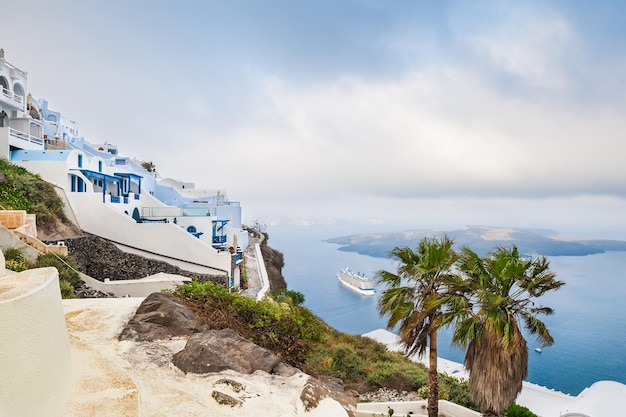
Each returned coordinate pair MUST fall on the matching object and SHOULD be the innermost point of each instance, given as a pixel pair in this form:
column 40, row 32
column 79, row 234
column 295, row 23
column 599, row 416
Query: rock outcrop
column 274, row 263
column 316, row 390
column 162, row 316
column 217, row 350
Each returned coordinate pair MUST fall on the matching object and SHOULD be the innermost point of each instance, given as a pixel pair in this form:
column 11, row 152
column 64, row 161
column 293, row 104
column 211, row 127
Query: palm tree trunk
column 433, row 380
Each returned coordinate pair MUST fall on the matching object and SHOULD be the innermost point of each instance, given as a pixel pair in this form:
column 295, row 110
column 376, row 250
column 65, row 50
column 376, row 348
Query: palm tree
column 492, row 297
column 421, row 277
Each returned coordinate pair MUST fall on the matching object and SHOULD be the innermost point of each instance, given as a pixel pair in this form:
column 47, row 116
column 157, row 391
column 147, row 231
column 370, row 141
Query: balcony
column 24, row 140
column 11, row 98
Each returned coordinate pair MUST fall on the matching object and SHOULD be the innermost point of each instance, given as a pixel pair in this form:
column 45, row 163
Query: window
column 80, row 161
column 192, row 229
column 99, row 166
column 77, row 185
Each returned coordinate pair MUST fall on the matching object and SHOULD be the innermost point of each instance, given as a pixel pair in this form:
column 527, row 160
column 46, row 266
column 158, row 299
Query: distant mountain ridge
column 481, row 239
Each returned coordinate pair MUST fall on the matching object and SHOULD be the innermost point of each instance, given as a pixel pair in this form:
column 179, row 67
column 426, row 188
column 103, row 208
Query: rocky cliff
column 274, row 262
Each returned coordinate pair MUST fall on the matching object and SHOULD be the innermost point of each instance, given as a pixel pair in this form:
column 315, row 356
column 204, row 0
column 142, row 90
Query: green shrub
column 285, row 329
column 16, row 266
column 67, row 267
column 398, row 376
column 67, row 290
column 519, row 411
column 23, row 190
column 15, row 261
column 288, row 296
column 456, row 391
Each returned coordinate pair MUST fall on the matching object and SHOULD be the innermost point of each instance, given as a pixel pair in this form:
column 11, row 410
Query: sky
column 409, row 114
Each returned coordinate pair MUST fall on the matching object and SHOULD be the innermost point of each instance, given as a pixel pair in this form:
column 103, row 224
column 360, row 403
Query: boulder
column 218, row 350
column 162, row 316
column 225, row 399
column 315, row 390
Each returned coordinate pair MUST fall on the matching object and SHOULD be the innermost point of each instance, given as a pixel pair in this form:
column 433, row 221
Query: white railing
column 12, row 96
column 25, row 136
column 265, row 280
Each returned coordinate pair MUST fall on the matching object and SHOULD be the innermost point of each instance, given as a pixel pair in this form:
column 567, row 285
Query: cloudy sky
column 415, row 113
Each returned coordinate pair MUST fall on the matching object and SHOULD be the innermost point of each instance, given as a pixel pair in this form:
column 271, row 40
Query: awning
column 99, row 175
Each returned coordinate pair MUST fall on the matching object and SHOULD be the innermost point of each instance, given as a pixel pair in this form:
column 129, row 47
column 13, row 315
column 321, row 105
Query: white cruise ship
column 356, row 281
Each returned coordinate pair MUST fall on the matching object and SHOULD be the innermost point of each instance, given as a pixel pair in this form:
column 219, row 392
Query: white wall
column 54, row 172
column 412, row 407
column 164, row 239
column 4, row 142
column 35, row 353
column 136, row 288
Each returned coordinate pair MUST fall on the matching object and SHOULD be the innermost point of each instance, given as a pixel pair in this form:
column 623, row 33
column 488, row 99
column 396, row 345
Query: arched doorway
column 136, row 215
column 19, row 91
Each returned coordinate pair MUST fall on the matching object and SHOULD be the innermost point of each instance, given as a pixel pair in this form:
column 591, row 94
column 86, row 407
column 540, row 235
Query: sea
column 589, row 324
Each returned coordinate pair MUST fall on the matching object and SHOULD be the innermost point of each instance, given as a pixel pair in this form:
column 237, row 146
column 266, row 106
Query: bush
column 287, row 330
column 67, row 290
column 23, row 190
column 15, row 261
column 294, row 298
column 396, row 375
column 67, row 267
column 519, row 411
column 456, row 391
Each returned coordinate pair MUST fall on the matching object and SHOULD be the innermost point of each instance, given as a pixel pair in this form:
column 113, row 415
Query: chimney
column 1, row 53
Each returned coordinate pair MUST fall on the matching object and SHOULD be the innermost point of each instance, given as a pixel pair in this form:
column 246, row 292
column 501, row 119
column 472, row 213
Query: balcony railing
column 219, row 240
column 12, row 97
column 25, row 136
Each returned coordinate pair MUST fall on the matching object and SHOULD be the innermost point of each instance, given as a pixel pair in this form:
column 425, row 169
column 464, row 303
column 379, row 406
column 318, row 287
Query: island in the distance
column 481, row 239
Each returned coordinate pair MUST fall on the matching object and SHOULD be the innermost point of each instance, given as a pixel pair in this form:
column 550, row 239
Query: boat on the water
column 356, row 281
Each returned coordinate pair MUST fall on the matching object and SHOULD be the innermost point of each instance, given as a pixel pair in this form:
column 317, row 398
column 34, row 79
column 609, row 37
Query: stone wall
column 102, row 260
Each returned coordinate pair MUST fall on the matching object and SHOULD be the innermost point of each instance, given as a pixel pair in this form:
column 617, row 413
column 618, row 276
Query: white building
column 114, row 197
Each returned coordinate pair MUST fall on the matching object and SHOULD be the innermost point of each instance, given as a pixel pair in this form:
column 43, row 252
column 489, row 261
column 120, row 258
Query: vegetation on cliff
column 23, row 190
column 280, row 324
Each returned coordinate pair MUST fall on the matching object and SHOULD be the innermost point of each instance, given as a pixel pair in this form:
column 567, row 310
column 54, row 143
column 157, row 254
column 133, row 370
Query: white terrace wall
column 35, row 353
column 53, row 171
column 163, row 239
column 417, row 408
column 137, row 287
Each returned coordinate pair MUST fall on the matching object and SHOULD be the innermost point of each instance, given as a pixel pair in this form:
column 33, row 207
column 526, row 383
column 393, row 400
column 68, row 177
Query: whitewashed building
column 115, row 197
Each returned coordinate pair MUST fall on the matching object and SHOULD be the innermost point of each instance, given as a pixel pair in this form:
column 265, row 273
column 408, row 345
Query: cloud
column 394, row 107
column 531, row 43
column 434, row 133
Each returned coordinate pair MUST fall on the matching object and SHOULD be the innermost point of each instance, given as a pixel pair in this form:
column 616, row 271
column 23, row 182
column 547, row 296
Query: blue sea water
column 589, row 326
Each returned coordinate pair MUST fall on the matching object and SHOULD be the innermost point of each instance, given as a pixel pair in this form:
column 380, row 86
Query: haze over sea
column 588, row 326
